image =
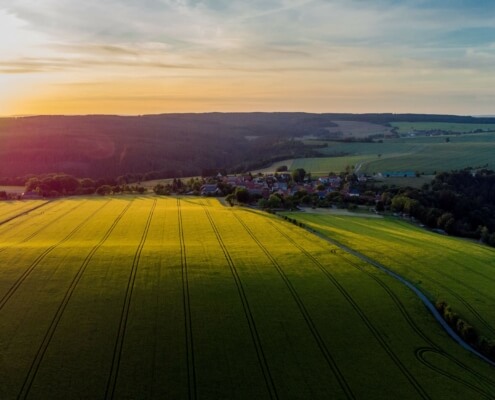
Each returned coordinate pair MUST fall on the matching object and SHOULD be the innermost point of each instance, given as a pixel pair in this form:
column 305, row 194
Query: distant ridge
column 176, row 144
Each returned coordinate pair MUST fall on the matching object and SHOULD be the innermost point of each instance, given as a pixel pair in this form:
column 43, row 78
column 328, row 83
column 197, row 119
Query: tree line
column 55, row 185
column 461, row 203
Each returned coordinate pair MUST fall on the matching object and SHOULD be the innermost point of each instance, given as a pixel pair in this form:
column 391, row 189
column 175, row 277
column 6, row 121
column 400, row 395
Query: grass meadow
column 407, row 127
column 147, row 297
column 423, row 154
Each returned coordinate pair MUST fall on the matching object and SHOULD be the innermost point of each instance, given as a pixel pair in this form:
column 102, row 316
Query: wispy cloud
column 340, row 42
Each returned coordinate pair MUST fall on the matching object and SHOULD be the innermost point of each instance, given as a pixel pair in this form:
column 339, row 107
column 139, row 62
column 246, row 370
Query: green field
column 409, row 127
column 423, row 154
column 147, row 297
column 458, row 271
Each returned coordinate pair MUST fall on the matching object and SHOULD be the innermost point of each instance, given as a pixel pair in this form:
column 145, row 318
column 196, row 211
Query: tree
column 274, row 201
column 242, row 195
column 485, row 235
column 446, row 222
column 298, row 174
column 230, row 199
column 103, row 190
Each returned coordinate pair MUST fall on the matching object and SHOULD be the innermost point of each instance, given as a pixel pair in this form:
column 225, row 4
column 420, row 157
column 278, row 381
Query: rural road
column 404, row 281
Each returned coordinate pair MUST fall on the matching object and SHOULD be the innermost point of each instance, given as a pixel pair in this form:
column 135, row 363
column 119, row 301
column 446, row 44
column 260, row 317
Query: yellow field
column 153, row 297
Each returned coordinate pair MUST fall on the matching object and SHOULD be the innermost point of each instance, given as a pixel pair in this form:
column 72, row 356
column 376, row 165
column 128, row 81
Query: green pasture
column 424, row 154
column 152, row 298
column 323, row 166
column 458, row 271
column 409, row 127
column 437, row 158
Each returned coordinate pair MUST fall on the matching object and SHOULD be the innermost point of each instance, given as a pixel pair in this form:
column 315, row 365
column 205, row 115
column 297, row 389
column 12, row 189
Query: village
column 284, row 189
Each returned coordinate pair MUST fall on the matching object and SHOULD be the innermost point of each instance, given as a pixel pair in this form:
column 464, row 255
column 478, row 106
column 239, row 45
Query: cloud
column 299, row 45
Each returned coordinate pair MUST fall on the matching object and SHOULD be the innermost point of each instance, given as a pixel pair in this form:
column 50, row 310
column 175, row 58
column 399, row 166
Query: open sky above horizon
column 159, row 56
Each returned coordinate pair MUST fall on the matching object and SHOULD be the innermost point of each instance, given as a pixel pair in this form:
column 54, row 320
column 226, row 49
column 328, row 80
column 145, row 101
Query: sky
column 160, row 56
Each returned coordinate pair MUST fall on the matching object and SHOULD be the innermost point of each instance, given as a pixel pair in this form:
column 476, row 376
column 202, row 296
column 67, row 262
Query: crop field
column 424, row 154
column 358, row 129
column 148, row 297
column 408, row 127
column 458, row 271
column 322, row 166
column 11, row 209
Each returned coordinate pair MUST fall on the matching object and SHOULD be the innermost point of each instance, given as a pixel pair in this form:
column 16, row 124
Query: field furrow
column 60, row 310
column 114, row 373
column 311, row 325
column 160, row 297
column 11, row 211
column 270, row 385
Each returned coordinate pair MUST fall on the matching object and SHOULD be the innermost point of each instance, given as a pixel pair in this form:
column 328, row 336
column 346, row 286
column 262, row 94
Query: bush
column 451, row 317
column 441, row 305
column 104, row 190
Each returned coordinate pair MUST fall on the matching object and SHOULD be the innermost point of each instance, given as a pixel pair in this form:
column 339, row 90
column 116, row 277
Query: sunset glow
column 134, row 57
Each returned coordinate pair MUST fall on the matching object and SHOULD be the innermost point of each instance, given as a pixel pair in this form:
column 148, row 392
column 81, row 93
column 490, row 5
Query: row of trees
column 461, row 203
column 466, row 331
column 54, row 185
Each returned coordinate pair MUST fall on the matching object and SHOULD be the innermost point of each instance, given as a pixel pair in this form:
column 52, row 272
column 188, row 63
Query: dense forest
column 168, row 145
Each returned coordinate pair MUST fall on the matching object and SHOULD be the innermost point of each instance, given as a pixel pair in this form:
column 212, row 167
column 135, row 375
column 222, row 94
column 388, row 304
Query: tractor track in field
column 32, row 235
column 265, row 370
column 22, row 210
column 408, row 284
column 33, row 370
column 465, row 267
column 429, row 306
column 434, row 347
column 460, row 283
column 186, row 301
column 23, row 213
column 40, row 258
column 373, row 330
column 461, row 299
column 119, row 344
column 420, row 356
column 302, row 308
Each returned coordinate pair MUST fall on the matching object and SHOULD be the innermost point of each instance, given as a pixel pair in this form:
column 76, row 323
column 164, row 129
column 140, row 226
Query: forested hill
column 170, row 144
